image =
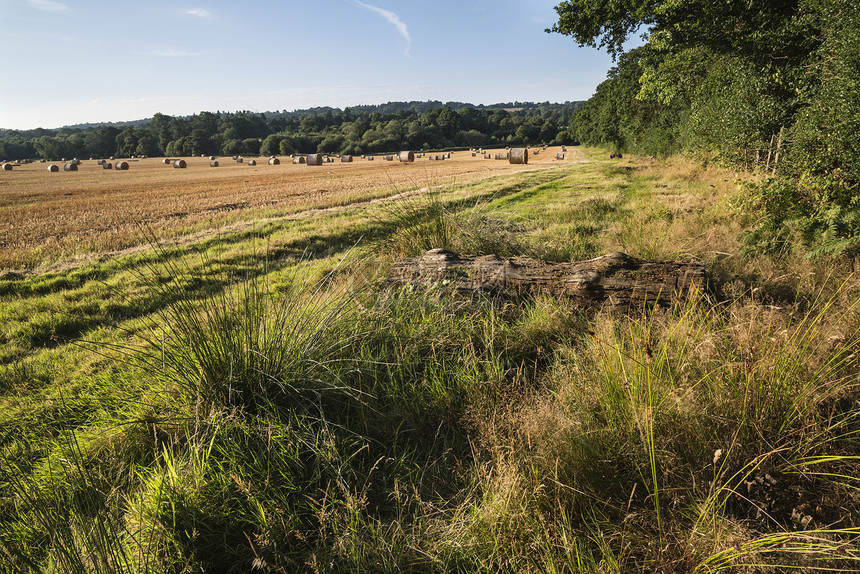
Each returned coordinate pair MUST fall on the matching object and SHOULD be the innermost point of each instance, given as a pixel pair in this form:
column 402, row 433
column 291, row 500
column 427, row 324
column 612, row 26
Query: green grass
column 259, row 401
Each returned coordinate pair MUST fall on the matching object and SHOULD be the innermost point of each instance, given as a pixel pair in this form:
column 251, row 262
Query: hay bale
column 166, row 161
column 406, row 156
column 370, row 158
column 559, row 156
column 179, row 164
column 101, row 162
column 213, row 163
column 240, row 160
column 7, row 167
column 235, row 157
column 211, row 158
column 107, row 165
column 519, row 156
column 53, row 168
column 69, row 167
column 564, row 148
column 314, row 159
column 432, row 158
column 389, row 158
column 122, row 165
column 299, row 160
column 346, row 159
column 252, row 162
column 274, row 161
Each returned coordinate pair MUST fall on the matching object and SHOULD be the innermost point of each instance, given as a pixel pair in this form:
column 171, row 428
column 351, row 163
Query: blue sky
column 74, row 61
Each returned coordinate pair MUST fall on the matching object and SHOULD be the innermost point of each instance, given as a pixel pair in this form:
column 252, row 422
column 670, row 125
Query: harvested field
column 46, row 218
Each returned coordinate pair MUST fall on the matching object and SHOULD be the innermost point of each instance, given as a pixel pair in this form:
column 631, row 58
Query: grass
column 257, row 400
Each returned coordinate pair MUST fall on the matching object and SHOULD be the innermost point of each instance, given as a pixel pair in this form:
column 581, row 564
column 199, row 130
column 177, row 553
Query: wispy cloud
column 48, row 5
column 199, row 12
column 173, row 53
column 394, row 20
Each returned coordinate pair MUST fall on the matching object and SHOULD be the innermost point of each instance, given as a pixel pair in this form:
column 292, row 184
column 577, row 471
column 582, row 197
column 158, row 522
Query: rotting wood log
column 617, row 279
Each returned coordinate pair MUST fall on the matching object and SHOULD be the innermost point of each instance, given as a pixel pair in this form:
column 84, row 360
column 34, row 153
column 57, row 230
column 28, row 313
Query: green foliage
column 373, row 129
column 748, row 81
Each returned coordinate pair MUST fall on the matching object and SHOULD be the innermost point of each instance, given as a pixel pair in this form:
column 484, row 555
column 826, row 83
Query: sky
column 72, row 61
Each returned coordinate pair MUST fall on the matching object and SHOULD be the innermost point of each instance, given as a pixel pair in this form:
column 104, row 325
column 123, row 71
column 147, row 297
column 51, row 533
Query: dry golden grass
column 48, row 217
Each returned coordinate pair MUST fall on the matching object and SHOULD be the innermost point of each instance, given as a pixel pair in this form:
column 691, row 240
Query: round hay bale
column 107, row 165
column 559, row 156
column 431, row 158
column 101, row 162
column 240, row 160
column 166, row 161
column 111, row 158
column 274, row 161
column 370, row 158
column 7, row 167
column 121, row 165
column 406, row 156
column 252, row 162
column 235, row 157
column 213, row 163
column 70, row 167
column 179, row 164
column 519, row 156
column 299, row 160
column 346, row 159
column 211, row 158
column 53, row 168
column 314, row 159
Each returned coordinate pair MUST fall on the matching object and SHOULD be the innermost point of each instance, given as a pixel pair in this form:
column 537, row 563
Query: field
column 47, row 217
column 203, row 370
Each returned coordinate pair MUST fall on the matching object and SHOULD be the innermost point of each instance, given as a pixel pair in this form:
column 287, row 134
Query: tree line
column 772, row 85
column 365, row 129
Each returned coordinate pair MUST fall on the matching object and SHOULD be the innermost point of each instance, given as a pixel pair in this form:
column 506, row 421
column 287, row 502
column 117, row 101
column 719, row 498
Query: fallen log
column 617, row 279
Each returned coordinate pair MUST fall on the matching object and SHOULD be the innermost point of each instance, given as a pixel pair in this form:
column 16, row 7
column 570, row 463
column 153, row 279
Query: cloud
column 199, row 12
column 173, row 53
column 394, row 20
column 48, row 5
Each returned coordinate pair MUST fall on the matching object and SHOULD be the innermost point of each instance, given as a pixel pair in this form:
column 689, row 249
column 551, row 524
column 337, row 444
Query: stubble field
column 47, row 217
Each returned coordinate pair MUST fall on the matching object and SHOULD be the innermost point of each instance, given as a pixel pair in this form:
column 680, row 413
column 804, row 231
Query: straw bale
column 519, row 156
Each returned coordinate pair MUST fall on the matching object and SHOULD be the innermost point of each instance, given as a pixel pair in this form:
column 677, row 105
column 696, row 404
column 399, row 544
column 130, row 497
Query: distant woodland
column 358, row 130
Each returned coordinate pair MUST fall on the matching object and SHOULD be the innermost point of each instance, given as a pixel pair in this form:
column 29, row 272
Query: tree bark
column 617, row 279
